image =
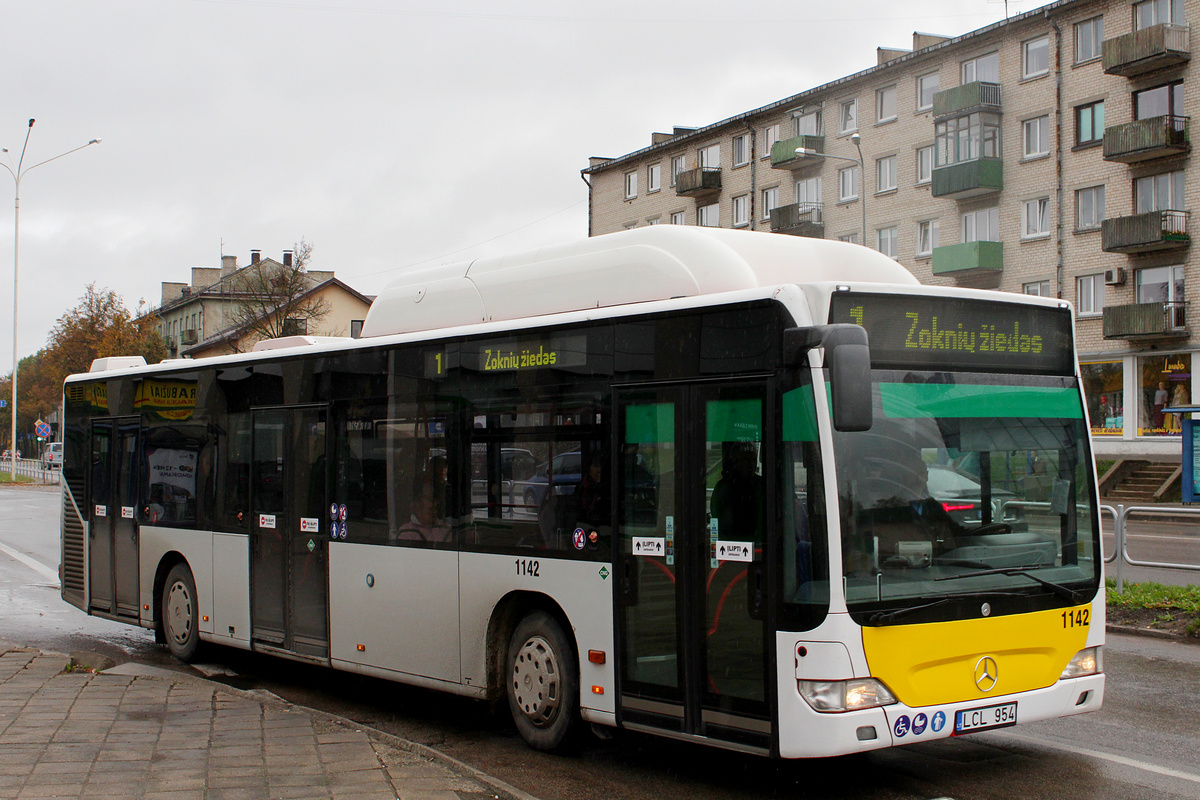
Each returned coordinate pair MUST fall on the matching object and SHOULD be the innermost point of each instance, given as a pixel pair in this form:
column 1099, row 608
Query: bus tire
column 180, row 618
column 543, row 683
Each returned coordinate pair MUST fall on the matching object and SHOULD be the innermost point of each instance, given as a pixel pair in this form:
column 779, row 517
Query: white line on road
column 1128, row 762
column 36, row 566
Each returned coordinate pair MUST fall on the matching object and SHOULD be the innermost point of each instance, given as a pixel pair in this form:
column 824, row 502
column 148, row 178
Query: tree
column 277, row 299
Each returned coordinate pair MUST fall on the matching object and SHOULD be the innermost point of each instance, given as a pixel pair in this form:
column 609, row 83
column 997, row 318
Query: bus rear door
column 693, row 511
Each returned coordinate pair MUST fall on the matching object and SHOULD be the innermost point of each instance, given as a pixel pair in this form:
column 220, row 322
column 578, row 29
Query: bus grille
column 74, row 534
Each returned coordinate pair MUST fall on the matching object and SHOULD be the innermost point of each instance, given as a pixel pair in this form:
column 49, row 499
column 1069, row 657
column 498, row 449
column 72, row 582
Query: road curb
column 1150, row 633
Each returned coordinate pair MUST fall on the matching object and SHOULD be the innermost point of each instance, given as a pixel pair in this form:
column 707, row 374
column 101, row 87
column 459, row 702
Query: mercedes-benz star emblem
column 986, row 674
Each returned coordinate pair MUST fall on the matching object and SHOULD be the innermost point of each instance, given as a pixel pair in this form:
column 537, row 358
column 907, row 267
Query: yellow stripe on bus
column 940, row 662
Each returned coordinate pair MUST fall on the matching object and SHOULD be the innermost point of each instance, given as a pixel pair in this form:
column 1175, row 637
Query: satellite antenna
column 1005, row 5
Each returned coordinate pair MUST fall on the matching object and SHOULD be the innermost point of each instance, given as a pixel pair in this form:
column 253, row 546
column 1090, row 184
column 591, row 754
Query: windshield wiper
column 886, row 617
column 1056, row 588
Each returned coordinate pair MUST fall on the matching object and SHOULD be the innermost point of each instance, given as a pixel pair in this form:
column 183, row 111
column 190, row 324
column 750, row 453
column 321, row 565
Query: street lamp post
column 17, row 173
column 862, row 175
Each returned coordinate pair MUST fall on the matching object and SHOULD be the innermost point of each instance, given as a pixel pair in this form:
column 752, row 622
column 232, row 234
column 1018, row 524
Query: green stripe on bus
column 907, row 400
column 799, row 415
column 650, row 424
column 734, row 420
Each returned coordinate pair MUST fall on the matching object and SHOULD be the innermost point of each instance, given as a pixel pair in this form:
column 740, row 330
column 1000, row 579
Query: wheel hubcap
column 536, row 681
column 179, row 613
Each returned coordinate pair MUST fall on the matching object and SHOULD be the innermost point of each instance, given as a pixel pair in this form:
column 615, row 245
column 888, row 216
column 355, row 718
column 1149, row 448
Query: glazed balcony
column 1145, row 139
column 968, row 178
column 799, row 219
column 1146, row 320
column 1145, row 233
column 966, row 99
column 968, row 259
column 1156, row 47
column 783, row 153
column 698, row 182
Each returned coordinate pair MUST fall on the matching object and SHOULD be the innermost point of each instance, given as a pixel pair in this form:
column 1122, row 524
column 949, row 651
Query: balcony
column 966, row 99
column 968, row 178
column 1146, row 320
column 783, row 153
column 1156, row 47
column 1144, row 139
column 968, row 259
column 799, row 219
column 188, row 336
column 1145, row 233
column 698, row 182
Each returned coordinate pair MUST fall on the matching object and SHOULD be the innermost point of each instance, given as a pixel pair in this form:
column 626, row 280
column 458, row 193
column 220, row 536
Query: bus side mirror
column 848, row 357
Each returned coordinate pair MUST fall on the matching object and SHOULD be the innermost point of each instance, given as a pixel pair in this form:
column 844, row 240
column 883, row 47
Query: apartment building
column 1047, row 154
column 206, row 316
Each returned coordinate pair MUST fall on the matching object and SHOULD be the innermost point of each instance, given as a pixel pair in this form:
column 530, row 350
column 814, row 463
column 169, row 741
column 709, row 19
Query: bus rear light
column 1086, row 662
column 597, row 656
column 958, row 506
column 832, row 697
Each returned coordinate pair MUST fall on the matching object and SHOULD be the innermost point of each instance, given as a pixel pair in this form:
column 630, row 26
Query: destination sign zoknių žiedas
column 955, row 333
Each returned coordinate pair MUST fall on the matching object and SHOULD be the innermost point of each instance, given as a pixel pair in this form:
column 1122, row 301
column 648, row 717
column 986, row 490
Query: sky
column 388, row 134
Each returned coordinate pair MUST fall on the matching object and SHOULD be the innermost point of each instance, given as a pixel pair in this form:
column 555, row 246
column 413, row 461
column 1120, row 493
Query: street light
column 18, row 173
column 862, row 175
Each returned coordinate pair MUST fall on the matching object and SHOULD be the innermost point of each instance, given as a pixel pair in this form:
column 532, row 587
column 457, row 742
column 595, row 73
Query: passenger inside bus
column 424, row 524
column 737, row 499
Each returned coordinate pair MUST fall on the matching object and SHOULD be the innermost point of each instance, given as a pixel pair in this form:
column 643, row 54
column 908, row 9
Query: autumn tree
column 277, row 299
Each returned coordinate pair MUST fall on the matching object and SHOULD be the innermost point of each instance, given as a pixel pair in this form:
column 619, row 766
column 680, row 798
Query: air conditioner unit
column 1114, row 277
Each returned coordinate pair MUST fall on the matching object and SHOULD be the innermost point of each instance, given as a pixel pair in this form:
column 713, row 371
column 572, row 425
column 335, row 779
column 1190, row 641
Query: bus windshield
column 967, row 486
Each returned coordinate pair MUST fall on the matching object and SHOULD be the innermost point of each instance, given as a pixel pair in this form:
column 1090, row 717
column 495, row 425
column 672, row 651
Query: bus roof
column 658, row 262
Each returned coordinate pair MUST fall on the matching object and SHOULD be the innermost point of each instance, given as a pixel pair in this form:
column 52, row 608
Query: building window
column 741, row 210
column 885, row 104
column 770, row 201
column 885, row 174
column 678, row 165
column 1157, row 12
column 1035, row 218
column 849, row 238
column 925, row 164
column 927, row 87
column 1165, row 100
column 982, row 225
column 677, row 218
column 709, row 216
column 1163, row 382
column 1089, row 38
column 741, row 150
column 848, row 117
column 1162, row 285
column 808, row 190
column 1037, row 288
column 927, row 237
column 887, row 241
column 1089, row 123
column 356, row 328
column 1035, row 57
column 653, row 178
column 1104, row 387
column 982, row 68
column 966, row 138
column 630, row 185
column 1089, row 208
column 808, row 123
column 1162, row 192
column 1090, row 290
column 770, row 137
column 709, row 157
column 654, row 220
column 848, row 183
column 1037, row 137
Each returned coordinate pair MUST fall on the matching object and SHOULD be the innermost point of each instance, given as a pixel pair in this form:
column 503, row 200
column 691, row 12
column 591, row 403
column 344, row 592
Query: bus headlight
column 830, row 697
column 1086, row 662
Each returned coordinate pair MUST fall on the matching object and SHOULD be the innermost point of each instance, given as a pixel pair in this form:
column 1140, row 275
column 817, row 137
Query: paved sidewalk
column 100, row 735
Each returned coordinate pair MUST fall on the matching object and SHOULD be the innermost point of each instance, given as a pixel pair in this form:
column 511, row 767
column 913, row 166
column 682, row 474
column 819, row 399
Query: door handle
column 756, row 586
column 629, row 580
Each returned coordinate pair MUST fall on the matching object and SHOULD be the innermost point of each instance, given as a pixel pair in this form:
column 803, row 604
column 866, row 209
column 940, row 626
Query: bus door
column 693, row 510
column 113, row 532
column 290, row 527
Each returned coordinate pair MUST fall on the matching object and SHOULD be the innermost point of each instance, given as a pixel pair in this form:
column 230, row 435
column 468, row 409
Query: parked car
column 53, row 455
column 961, row 496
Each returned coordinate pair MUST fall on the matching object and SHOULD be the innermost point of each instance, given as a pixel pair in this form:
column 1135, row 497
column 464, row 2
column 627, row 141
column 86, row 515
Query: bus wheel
column 543, row 683
column 179, row 615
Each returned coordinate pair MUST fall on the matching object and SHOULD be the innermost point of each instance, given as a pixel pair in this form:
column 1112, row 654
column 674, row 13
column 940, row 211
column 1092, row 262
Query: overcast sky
column 389, row 134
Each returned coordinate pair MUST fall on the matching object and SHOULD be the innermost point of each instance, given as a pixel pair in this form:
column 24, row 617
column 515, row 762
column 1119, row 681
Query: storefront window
column 1103, row 386
column 1165, row 381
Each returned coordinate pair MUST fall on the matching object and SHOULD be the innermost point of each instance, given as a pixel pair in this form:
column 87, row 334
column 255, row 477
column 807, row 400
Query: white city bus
column 763, row 492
